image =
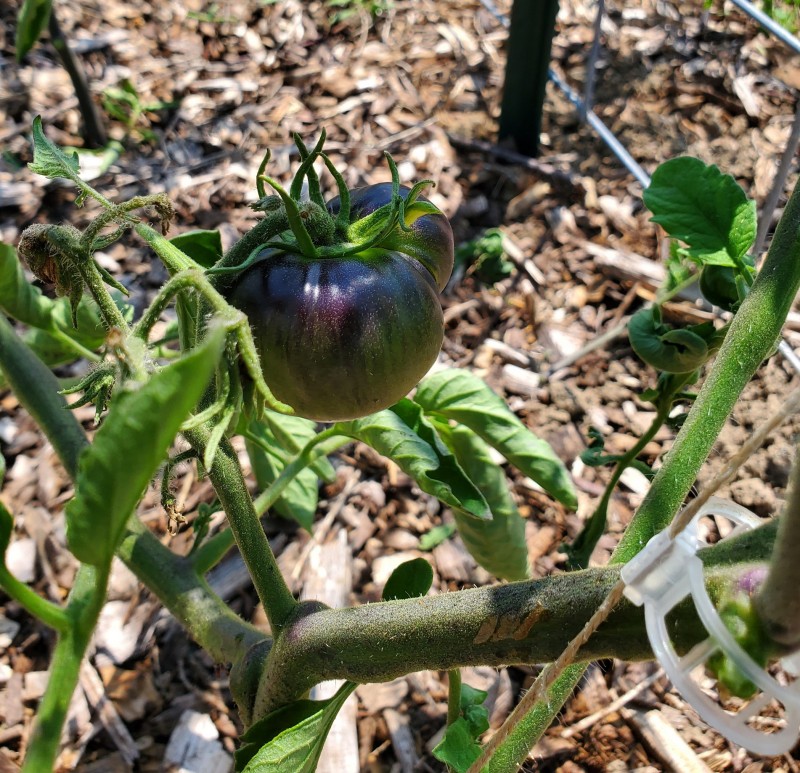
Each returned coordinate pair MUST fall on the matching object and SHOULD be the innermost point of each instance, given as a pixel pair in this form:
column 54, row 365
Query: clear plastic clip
column 664, row 573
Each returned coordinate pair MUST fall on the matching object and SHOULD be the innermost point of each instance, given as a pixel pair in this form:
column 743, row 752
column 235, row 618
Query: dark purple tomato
column 341, row 338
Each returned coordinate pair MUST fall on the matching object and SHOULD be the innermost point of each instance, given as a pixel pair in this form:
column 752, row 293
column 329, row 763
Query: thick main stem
column 86, row 600
column 522, row 622
column 778, row 601
column 228, row 480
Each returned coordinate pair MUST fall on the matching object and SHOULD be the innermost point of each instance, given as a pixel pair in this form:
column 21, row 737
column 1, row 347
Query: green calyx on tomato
column 343, row 300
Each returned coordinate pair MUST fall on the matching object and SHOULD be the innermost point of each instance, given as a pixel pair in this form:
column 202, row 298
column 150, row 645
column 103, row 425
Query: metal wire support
column 602, row 131
column 769, row 24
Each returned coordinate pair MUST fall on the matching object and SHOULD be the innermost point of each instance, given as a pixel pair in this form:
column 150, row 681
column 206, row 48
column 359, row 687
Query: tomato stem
column 229, row 484
column 777, row 603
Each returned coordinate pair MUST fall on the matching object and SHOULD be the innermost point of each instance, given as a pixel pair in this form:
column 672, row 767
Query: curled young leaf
column 680, row 350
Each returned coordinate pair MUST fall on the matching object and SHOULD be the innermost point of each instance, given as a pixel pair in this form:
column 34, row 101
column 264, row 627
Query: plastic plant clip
column 664, row 573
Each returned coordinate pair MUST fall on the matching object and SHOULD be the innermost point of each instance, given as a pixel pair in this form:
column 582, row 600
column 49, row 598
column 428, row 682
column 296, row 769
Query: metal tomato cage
column 541, row 15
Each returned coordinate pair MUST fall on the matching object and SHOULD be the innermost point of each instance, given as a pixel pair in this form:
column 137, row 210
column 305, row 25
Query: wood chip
column 664, row 741
column 194, row 747
column 387, row 695
column 405, row 748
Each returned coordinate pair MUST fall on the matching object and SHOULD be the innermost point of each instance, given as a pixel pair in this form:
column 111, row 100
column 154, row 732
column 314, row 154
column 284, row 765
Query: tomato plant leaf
column 290, row 740
column 463, row 397
column 410, row 580
column 497, row 545
column 293, row 433
column 459, row 747
column 133, row 440
column 48, row 159
column 31, row 21
column 298, row 502
column 402, row 434
column 204, row 247
column 436, row 536
column 703, row 208
column 672, row 351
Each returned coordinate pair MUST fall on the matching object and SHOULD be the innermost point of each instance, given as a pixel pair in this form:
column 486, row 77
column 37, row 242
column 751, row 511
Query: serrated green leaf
column 48, row 159
column 298, row 502
column 133, row 441
column 32, row 19
column 463, row 397
column 497, row 545
column 458, row 748
column 402, row 434
column 410, row 580
column 203, row 247
column 295, row 749
column 705, row 209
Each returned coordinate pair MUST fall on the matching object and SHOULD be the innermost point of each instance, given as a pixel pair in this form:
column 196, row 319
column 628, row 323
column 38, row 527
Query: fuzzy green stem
column 581, row 549
column 85, row 602
column 523, row 622
column 778, row 602
column 50, row 614
column 119, row 213
column 453, row 696
column 211, row 552
column 209, row 621
column 109, row 310
column 264, row 231
column 37, row 388
column 226, row 476
column 174, row 258
column 185, row 280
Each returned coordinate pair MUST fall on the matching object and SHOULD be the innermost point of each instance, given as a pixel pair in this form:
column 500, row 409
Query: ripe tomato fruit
column 342, row 336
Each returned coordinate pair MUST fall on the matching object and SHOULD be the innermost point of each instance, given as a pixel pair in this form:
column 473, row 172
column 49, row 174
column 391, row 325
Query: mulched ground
column 220, row 82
